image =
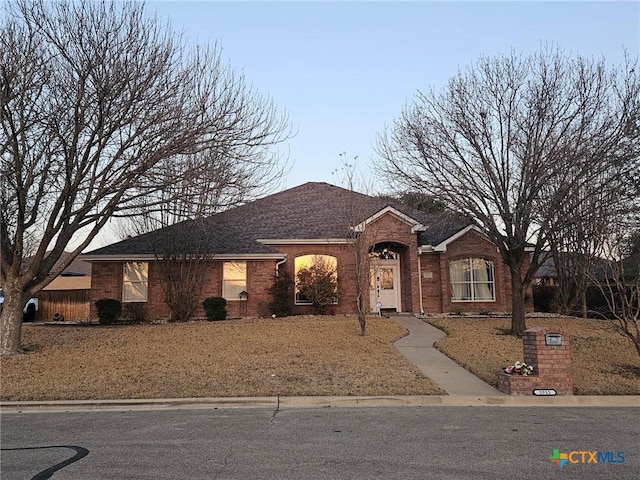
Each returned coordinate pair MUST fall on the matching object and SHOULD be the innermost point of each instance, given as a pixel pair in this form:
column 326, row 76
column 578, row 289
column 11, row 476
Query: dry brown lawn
column 291, row 356
column 602, row 361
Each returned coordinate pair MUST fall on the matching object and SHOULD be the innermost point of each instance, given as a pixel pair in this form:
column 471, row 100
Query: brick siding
column 434, row 270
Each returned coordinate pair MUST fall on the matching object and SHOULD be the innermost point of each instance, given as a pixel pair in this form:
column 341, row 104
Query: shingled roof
column 310, row 211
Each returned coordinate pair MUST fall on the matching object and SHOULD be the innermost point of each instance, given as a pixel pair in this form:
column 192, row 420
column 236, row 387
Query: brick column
column 551, row 363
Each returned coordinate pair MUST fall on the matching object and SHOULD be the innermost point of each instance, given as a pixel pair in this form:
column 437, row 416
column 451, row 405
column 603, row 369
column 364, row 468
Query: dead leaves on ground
column 291, row 356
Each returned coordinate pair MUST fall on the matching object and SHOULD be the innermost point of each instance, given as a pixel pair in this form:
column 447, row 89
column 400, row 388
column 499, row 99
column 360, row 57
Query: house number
column 544, row 392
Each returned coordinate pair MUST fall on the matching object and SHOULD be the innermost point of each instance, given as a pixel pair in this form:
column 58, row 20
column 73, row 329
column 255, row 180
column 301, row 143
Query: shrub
column 135, row 312
column 281, row 295
column 545, row 298
column 215, row 308
column 597, row 305
column 109, row 310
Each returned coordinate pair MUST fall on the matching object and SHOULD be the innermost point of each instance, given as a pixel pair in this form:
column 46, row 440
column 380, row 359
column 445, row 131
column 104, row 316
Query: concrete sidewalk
column 417, row 347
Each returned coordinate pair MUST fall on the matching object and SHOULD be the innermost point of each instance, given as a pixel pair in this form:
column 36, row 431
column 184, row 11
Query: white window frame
column 473, row 282
column 231, row 293
column 139, row 284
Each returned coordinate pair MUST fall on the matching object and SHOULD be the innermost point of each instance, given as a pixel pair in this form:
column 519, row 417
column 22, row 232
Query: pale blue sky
column 344, row 70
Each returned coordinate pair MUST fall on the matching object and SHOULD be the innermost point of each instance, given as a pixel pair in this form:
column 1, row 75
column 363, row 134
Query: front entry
column 384, row 288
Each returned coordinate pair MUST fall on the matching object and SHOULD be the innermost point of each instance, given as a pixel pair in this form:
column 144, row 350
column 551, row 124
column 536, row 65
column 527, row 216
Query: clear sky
column 344, row 70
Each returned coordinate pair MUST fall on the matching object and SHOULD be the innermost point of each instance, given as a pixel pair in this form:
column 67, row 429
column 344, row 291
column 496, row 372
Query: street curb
column 279, row 403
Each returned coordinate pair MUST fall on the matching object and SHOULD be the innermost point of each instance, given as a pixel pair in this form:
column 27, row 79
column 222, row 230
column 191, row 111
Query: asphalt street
column 329, row 443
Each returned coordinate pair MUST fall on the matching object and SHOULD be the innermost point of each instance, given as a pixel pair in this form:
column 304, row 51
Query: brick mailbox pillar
column 549, row 353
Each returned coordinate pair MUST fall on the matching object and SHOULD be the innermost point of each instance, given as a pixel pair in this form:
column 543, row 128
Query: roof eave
column 151, row 257
column 303, row 241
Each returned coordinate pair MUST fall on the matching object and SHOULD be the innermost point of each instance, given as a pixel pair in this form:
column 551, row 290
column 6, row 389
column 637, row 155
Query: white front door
column 384, row 288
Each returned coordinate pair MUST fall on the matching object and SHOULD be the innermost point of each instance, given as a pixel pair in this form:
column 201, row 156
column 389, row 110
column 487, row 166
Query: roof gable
column 442, row 246
column 412, row 222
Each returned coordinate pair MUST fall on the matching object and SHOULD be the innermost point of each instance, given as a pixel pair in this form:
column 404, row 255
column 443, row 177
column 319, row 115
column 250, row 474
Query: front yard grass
column 602, row 361
column 290, row 356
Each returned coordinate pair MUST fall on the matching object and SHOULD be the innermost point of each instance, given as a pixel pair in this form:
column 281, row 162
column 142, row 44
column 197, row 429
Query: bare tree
column 361, row 240
column 493, row 143
column 578, row 235
column 582, row 227
column 631, row 245
column 366, row 263
column 417, row 201
column 618, row 280
column 103, row 109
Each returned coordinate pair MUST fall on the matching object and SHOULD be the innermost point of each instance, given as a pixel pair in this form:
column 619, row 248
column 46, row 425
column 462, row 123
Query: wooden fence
column 73, row 304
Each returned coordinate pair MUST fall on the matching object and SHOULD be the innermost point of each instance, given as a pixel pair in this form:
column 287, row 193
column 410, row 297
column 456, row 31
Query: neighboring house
column 68, row 293
column 627, row 271
column 546, row 274
column 419, row 262
column 631, row 267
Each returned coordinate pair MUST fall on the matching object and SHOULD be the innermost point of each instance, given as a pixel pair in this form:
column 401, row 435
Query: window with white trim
column 135, row 281
column 472, row 280
column 234, row 279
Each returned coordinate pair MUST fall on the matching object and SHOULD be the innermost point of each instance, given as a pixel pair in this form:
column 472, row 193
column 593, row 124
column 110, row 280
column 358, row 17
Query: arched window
column 472, row 280
column 384, row 254
column 322, row 262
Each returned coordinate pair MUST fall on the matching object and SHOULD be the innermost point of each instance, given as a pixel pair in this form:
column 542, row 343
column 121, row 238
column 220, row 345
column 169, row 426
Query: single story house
column 418, row 262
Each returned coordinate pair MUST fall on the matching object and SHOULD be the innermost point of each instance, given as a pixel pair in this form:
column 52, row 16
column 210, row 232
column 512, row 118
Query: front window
column 472, row 280
column 234, row 279
column 135, row 282
column 319, row 267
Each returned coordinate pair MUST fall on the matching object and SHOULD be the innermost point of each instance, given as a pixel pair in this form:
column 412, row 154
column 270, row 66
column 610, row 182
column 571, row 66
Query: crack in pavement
column 227, row 457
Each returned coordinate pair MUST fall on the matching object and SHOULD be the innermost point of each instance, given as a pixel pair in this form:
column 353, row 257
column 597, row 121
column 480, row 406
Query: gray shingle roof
column 310, row 211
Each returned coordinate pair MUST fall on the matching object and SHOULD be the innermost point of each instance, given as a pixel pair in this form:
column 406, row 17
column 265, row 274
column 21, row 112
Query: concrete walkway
column 417, row 347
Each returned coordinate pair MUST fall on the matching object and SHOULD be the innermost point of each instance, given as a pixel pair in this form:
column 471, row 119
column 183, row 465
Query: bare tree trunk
column 361, row 262
column 11, row 330
column 362, row 319
column 518, row 324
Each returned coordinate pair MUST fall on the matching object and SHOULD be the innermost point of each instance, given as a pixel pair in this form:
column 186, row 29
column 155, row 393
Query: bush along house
column 406, row 260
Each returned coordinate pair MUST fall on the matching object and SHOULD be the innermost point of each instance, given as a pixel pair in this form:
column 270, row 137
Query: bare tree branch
column 618, row 281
